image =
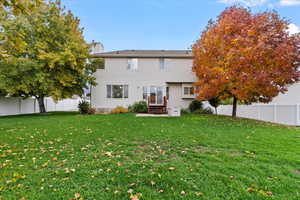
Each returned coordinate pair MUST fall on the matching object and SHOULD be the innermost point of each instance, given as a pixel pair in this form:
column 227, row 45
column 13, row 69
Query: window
column 155, row 94
column 168, row 92
column 188, row 91
column 132, row 64
column 117, row 91
column 145, row 93
column 108, row 91
column 162, row 65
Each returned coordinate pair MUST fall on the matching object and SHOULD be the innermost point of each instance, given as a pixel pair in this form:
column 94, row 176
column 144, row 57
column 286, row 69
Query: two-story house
column 134, row 75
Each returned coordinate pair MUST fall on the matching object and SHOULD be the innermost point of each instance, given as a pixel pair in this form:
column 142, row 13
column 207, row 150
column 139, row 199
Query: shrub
column 83, row 107
column 195, row 105
column 130, row 109
column 92, row 111
column 215, row 102
column 119, row 109
column 205, row 111
column 185, row 111
column 139, row 107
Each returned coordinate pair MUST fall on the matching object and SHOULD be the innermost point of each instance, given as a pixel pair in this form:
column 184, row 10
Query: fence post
column 275, row 113
column 297, row 114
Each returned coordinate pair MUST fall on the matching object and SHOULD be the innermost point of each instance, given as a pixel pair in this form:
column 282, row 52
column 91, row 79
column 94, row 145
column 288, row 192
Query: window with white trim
column 188, row 91
column 117, row 91
column 132, row 64
column 162, row 64
column 145, row 93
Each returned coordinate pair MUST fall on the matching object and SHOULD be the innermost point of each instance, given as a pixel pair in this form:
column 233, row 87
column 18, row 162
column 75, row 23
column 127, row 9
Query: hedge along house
column 160, row 77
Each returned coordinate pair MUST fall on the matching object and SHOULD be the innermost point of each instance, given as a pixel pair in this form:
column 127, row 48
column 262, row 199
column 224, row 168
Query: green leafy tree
column 2, row 93
column 12, row 8
column 19, row 6
column 47, row 58
column 98, row 63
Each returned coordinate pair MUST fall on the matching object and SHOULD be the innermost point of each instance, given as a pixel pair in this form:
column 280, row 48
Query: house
column 130, row 76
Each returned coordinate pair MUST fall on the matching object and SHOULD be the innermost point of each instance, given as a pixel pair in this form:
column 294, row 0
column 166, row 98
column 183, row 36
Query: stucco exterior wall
column 148, row 74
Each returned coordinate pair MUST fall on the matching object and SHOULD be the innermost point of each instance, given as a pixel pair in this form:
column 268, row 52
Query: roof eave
column 140, row 56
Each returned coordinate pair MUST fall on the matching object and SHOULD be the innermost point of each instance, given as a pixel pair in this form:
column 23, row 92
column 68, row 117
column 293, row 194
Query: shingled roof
column 145, row 54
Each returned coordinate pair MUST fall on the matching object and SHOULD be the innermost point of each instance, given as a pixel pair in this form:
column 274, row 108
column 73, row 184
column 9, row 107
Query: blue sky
column 160, row 24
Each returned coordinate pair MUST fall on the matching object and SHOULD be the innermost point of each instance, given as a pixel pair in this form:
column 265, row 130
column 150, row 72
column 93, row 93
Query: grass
column 69, row 156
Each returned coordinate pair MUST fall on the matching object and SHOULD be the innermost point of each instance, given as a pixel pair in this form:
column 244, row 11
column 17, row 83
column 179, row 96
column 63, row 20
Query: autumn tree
column 245, row 56
column 47, row 58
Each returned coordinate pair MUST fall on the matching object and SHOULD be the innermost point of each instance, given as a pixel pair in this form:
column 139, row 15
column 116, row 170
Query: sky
column 161, row 24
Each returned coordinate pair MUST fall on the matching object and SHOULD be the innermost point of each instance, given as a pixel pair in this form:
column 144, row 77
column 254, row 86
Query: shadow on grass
column 47, row 114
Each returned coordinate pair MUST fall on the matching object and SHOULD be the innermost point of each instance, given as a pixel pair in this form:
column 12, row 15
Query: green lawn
column 58, row 155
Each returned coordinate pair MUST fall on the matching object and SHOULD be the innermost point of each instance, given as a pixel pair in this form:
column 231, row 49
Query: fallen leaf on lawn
column 77, row 196
column 269, row 193
column 132, row 184
column 134, row 197
column 108, row 153
column 45, row 164
column 198, row 193
column 130, row 191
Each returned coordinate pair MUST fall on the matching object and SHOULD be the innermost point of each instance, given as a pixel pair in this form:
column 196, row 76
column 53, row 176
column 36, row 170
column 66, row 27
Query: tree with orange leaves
column 247, row 57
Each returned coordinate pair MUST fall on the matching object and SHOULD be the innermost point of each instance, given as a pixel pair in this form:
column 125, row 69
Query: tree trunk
column 234, row 107
column 216, row 110
column 41, row 104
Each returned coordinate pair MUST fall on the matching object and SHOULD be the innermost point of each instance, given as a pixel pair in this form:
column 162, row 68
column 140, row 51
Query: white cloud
column 245, row 2
column 293, row 28
column 289, row 2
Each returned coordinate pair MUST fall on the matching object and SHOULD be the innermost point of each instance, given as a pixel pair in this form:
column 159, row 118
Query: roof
column 145, row 54
column 180, row 82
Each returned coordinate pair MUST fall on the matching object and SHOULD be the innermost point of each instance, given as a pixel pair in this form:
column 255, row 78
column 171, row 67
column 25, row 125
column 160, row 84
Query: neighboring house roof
column 145, row 54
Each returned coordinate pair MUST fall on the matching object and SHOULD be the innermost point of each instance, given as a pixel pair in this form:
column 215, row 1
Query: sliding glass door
column 155, row 94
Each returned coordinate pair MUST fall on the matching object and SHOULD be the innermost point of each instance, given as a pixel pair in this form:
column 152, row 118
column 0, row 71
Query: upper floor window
column 162, row 64
column 117, row 91
column 132, row 64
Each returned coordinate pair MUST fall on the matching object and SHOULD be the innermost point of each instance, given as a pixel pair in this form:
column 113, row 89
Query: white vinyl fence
column 16, row 106
column 282, row 114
